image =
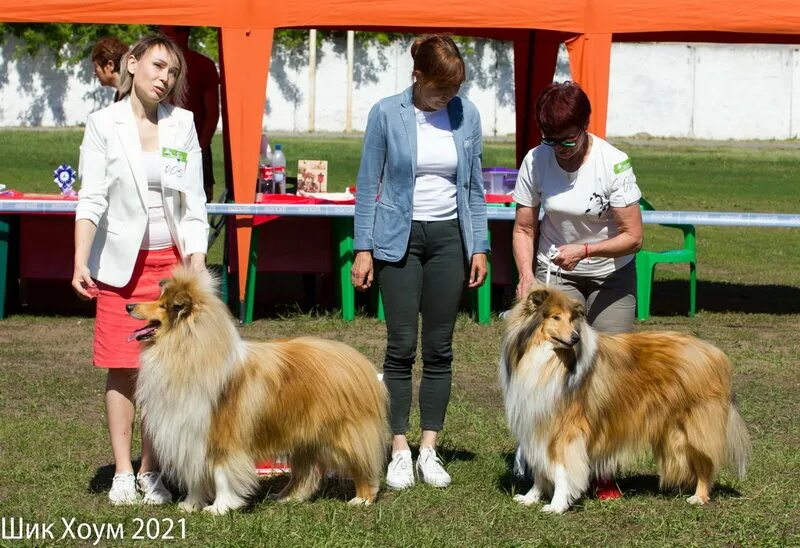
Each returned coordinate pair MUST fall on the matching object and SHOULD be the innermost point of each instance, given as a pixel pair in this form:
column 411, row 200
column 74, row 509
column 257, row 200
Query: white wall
column 704, row 91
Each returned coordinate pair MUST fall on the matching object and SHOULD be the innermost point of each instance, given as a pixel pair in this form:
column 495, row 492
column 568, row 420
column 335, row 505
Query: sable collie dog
column 215, row 404
column 582, row 402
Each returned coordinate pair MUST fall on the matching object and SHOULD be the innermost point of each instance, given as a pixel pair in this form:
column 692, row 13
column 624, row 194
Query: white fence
column 704, row 91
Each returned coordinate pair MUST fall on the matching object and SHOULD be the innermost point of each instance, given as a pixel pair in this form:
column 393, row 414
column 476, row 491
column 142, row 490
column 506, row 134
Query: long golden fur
column 215, row 404
column 582, row 402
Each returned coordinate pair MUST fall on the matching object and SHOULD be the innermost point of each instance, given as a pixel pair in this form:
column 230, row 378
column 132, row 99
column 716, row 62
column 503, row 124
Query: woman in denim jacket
column 420, row 221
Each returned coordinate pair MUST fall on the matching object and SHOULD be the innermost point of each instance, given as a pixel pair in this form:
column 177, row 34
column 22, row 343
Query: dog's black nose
column 575, row 337
column 130, row 307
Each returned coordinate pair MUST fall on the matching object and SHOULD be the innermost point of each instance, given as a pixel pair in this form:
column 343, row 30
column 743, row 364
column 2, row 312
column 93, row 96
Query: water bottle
column 279, row 170
column 265, row 182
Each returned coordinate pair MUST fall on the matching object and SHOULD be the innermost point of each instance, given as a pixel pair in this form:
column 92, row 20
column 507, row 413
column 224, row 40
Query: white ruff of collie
column 215, row 404
column 581, row 402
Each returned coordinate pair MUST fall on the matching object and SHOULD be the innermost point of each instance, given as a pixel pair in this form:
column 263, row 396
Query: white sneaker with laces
column 123, row 490
column 430, row 469
column 153, row 489
column 400, row 473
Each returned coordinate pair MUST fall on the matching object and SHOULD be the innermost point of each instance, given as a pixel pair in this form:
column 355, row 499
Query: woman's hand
column 524, row 286
column 83, row 284
column 570, row 255
column 361, row 274
column 197, row 262
column 477, row 270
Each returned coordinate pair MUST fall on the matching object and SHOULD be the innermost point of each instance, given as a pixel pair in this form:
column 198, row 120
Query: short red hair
column 438, row 60
column 561, row 106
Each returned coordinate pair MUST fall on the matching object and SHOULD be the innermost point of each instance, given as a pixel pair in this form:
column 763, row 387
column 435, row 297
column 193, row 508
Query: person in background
column 590, row 198
column 134, row 222
column 107, row 58
column 420, row 228
column 202, row 98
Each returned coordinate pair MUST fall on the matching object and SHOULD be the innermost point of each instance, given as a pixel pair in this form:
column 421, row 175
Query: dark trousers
column 428, row 280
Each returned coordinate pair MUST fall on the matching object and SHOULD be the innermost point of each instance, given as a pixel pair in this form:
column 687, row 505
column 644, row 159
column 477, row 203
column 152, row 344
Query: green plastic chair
column 646, row 262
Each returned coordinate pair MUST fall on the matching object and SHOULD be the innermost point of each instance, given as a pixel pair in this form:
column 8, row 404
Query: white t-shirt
column 157, row 234
column 577, row 205
column 437, row 161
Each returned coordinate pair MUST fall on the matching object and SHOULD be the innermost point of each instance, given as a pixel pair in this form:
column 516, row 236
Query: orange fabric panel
column 176, row 12
column 576, row 16
column 590, row 63
column 246, row 55
column 566, row 15
column 764, row 16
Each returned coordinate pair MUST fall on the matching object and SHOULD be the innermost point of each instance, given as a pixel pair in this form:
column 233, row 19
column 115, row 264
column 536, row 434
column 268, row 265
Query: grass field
column 55, row 459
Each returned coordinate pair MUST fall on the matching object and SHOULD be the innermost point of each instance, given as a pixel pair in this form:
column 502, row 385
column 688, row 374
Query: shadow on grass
column 631, row 486
column 508, row 482
column 671, row 298
column 647, row 485
column 330, row 488
column 333, row 488
column 101, row 481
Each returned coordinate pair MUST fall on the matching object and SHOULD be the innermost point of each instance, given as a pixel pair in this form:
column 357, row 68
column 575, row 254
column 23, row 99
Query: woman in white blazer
column 141, row 210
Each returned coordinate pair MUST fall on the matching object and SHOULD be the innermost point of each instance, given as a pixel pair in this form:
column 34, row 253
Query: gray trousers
column 610, row 300
column 428, row 281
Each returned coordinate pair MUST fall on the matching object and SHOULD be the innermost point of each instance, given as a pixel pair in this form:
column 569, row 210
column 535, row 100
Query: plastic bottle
column 265, row 183
column 279, row 170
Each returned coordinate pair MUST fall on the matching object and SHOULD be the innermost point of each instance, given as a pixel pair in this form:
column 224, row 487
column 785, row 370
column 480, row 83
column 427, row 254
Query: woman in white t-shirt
column 591, row 214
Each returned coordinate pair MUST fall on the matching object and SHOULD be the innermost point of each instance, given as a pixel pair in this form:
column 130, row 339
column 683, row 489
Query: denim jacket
column 386, row 177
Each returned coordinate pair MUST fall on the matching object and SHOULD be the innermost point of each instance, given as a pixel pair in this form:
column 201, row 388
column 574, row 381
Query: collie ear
column 181, row 305
column 537, row 297
column 578, row 310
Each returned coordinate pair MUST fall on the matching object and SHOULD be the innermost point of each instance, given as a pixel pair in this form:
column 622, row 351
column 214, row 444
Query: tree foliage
column 71, row 43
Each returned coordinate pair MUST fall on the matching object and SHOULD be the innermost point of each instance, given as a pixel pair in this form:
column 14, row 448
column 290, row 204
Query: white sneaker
column 430, row 469
column 153, row 489
column 123, row 490
column 400, row 473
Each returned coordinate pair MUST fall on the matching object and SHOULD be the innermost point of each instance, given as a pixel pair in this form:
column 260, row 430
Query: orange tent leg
column 246, row 54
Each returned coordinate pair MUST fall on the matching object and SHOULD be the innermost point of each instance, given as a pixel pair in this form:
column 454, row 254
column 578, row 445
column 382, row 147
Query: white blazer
column 113, row 192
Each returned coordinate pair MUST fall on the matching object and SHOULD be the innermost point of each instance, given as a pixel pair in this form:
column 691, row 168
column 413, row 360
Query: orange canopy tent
column 535, row 27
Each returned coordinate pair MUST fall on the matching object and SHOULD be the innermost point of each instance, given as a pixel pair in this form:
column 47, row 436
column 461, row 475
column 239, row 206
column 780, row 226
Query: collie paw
column 189, row 506
column 288, row 499
column 526, row 500
column 553, row 509
column 216, row 509
column 697, row 500
column 358, row 501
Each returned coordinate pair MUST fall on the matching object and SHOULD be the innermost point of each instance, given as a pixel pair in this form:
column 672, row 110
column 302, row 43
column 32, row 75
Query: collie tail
column 738, row 441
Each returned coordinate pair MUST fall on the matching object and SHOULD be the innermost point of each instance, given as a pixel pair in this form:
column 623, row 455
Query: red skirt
column 113, row 325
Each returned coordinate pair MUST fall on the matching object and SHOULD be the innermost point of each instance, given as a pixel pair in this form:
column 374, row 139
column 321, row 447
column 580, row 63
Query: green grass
column 55, row 459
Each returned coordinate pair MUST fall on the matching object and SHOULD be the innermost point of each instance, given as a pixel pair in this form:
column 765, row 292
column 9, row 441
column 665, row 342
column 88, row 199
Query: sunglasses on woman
column 566, row 143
